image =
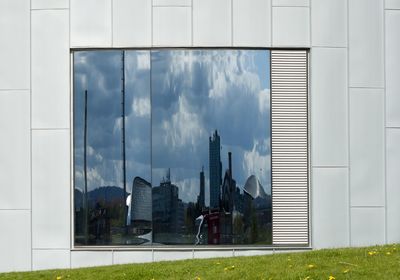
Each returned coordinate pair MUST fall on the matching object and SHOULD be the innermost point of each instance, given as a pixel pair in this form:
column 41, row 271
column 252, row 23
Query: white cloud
column 143, row 61
column 184, row 128
column 264, row 100
column 254, row 161
column 141, row 107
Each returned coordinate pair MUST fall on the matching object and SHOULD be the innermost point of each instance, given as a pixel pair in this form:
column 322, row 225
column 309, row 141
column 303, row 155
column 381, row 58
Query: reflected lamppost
column 123, row 138
column 86, row 220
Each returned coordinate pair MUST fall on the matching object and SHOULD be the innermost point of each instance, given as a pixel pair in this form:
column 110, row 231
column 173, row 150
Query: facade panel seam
column 384, row 121
column 30, row 123
column 49, row 9
column 348, row 122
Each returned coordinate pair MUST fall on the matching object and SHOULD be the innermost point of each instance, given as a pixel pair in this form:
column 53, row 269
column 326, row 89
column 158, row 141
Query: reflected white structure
column 254, row 188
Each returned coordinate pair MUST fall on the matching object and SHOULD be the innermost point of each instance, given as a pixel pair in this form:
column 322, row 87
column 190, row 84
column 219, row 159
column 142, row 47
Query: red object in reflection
column 213, row 228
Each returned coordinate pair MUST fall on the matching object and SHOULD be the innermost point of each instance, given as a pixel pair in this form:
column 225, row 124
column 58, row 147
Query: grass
column 379, row 262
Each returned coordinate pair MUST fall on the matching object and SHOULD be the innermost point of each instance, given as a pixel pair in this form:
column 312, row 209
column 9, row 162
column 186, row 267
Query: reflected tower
column 215, row 169
column 201, row 199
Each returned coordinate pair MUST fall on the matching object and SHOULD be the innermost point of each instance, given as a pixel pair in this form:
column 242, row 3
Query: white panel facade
column 91, row 258
column 14, row 47
column 124, row 257
column 290, row 27
column 291, row 3
column 392, row 44
column 172, row 26
column 171, row 255
column 367, row 147
column 90, row 23
column 330, row 212
column 50, row 259
column 51, row 223
column 367, row 226
column 15, row 241
column 392, row 184
column 392, row 4
column 49, row 4
column 251, row 23
column 172, row 2
column 329, row 107
column 15, row 175
column 366, row 44
column 50, row 69
column 212, row 23
column 330, row 18
column 131, row 22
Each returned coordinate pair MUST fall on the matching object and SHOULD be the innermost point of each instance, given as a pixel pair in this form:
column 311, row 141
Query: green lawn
column 380, row 262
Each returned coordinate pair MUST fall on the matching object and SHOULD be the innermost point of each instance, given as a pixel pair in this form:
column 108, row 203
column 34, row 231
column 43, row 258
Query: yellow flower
column 307, row 278
column 197, row 278
column 346, row 270
column 229, row 268
column 59, row 277
column 388, row 253
column 311, row 266
column 331, row 277
column 217, row 263
column 289, row 259
column 372, row 253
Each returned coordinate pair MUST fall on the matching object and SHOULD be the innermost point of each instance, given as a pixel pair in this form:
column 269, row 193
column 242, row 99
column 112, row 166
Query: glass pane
column 107, row 86
column 137, row 146
column 211, row 152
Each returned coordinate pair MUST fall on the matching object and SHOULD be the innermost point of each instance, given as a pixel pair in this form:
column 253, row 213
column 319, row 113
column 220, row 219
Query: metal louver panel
column 289, row 147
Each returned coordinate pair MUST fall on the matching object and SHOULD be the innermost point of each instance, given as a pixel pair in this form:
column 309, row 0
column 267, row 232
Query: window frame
column 193, row 248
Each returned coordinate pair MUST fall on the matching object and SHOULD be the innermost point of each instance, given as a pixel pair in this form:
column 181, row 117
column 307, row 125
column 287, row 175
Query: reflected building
column 168, row 211
column 228, row 189
column 215, row 169
column 141, row 206
column 201, row 197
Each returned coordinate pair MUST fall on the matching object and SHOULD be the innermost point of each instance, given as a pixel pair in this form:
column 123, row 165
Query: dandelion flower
column 59, row 277
column 311, row 266
column 331, row 277
column 372, row 253
column 388, row 253
column 197, row 278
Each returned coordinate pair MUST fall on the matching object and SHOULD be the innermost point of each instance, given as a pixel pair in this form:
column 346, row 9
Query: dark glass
column 211, row 170
column 172, row 147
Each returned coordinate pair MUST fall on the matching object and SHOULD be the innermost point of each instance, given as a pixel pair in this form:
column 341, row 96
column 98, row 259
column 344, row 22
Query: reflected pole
column 123, row 136
column 85, row 171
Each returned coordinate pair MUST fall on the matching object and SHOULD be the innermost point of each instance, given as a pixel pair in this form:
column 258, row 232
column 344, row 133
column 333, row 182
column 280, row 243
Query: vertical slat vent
column 289, row 147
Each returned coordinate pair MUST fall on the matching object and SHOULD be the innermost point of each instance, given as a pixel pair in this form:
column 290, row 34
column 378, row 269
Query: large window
column 172, row 147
